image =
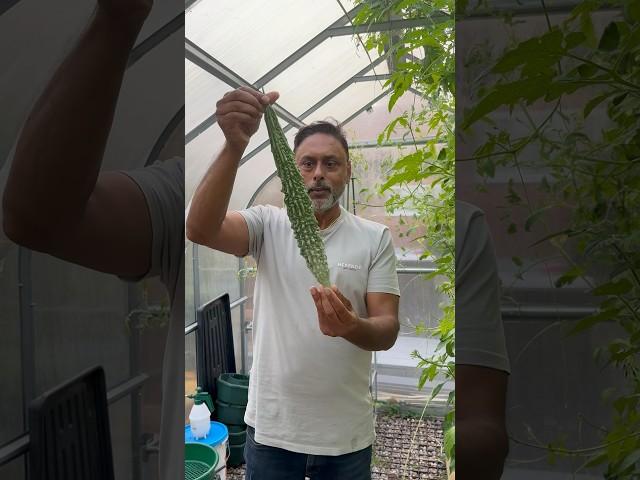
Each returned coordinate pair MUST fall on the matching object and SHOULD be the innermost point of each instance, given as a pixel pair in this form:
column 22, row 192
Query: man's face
column 325, row 169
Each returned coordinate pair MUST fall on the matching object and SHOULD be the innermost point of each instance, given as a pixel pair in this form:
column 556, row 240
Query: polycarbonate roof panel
column 202, row 92
column 319, row 72
column 253, row 36
column 253, row 173
column 200, row 152
column 349, row 101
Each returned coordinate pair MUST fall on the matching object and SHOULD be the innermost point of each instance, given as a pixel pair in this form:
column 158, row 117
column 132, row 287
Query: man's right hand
column 239, row 113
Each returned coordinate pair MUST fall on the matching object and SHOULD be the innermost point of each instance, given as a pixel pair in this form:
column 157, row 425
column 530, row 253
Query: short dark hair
column 321, row 126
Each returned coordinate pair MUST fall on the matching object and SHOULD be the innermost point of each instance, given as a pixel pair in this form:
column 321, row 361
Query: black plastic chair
column 69, row 431
column 214, row 343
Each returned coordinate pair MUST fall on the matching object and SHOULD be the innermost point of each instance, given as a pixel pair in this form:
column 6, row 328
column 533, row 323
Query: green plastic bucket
column 233, row 388
column 237, row 428
column 236, row 456
column 238, row 438
column 230, row 414
column 200, row 461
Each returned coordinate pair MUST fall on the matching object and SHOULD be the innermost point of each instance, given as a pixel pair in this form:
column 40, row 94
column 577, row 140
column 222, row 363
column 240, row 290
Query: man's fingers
column 336, row 302
column 326, row 305
column 264, row 98
column 239, row 117
column 237, row 106
column 243, row 95
column 342, row 298
column 270, row 97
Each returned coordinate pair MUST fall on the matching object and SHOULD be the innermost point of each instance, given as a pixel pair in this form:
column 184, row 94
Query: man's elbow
column 393, row 335
column 29, row 230
column 24, row 234
column 15, row 227
column 194, row 233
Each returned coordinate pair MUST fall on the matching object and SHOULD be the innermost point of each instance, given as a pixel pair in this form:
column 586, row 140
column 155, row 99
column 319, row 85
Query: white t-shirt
column 163, row 186
column 309, row 393
column 479, row 331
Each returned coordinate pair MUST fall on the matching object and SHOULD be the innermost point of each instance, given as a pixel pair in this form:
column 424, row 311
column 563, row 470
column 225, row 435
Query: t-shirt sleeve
column 163, row 187
column 383, row 277
column 255, row 218
column 479, row 330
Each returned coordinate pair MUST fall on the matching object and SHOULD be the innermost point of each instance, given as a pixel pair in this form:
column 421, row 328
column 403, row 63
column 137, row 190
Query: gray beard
column 322, row 206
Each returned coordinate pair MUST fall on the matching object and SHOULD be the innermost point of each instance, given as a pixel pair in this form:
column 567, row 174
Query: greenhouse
column 322, row 71
column 497, row 110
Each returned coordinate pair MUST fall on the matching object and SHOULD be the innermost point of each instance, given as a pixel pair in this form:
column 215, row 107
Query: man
column 482, row 363
column 129, row 224
column 309, row 405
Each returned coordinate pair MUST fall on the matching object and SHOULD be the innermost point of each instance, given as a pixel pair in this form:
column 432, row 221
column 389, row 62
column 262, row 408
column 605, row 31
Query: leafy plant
column 423, row 181
column 590, row 173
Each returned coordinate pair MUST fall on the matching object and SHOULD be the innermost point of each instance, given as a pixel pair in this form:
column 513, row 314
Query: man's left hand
column 336, row 317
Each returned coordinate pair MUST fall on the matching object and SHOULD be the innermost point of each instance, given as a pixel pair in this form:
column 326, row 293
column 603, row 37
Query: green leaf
column 533, row 55
column 586, row 25
column 610, row 38
column 632, row 11
column 569, row 276
column 436, row 390
column 597, row 460
column 529, row 90
column 574, row 39
column 587, row 70
column 534, row 217
column 630, row 461
column 592, row 320
column 620, row 287
column 618, row 99
column 449, row 442
column 593, row 103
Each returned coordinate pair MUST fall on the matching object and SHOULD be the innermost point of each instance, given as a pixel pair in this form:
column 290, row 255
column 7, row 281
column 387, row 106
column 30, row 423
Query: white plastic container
column 199, row 421
column 220, row 445
column 199, row 416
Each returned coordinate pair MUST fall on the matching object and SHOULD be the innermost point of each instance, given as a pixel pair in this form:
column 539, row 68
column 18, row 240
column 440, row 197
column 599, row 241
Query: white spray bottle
column 199, row 417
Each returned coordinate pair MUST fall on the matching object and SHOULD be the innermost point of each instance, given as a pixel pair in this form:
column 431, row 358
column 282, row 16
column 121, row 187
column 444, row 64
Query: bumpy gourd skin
column 299, row 209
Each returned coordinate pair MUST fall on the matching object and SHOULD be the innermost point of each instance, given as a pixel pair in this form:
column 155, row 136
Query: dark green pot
column 238, row 438
column 233, row 388
column 230, row 414
column 236, row 456
column 237, row 428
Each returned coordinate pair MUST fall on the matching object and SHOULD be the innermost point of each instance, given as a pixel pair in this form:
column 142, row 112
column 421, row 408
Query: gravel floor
column 394, row 458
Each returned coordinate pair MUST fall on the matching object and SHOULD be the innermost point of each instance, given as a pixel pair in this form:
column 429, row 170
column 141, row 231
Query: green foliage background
column 593, row 180
column 424, row 180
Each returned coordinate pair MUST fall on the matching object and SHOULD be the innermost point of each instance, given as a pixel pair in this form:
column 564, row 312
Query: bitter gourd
column 299, row 209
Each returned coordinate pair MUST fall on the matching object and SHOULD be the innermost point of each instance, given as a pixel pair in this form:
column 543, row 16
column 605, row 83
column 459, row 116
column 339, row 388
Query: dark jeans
column 271, row 463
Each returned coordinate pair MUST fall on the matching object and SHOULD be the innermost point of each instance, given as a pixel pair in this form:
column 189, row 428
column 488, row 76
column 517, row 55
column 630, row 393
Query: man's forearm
column 481, row 448
column 59, row 152
column 375, row 333
column 211, row 198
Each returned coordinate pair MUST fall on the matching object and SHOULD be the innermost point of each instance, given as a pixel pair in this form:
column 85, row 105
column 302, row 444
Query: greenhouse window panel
column 266, row 143
column 277, row 30
column 313, row 77
column 307, row 47
column 205, row 61
column 203, row 91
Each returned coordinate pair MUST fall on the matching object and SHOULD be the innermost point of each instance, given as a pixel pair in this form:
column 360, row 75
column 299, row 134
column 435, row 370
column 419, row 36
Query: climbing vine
column 422, row 59
column 588, row 162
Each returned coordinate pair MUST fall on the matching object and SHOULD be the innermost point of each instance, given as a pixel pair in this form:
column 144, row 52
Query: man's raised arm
column 56, row 200
column 208, row 222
